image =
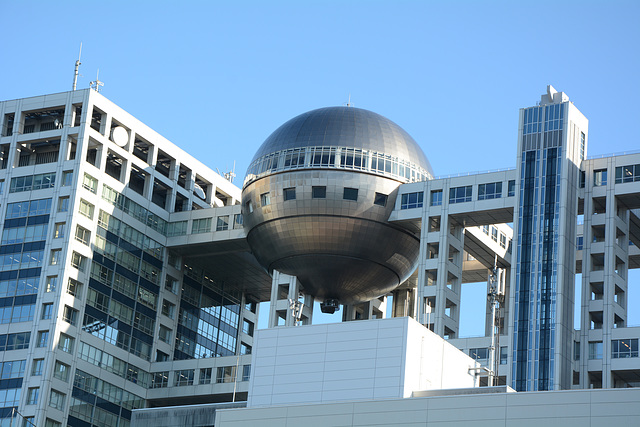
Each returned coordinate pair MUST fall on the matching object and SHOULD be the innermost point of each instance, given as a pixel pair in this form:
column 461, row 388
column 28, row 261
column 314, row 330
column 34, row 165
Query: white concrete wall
column 370, row 359
column 576, row 408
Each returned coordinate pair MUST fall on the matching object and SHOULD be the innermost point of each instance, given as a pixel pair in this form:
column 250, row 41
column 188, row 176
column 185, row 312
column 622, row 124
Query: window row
column 338, row 158
column 319, row 192
column 462, row 194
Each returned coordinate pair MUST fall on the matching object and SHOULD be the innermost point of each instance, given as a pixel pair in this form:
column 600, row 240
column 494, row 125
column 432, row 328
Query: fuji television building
column 132, row 274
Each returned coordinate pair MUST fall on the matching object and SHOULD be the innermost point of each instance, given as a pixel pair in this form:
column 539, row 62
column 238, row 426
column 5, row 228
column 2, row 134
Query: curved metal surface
column 338, row 248
column 345, row 127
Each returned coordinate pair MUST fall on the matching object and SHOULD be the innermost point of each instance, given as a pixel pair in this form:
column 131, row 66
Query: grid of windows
column 411, row 200
column 18, row 341
column 460, row 194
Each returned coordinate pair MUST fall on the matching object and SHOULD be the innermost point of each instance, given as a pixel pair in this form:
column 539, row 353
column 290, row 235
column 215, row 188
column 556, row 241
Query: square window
column 319, row 192
column 436, row 198
column 83, row 235
column 86, row 209
column 61, row 371
column 265, row 199
column 78, row 261
column 289, row 194
column 350, row 194
column 164, row 334
column 70, row 315
column 56, row 399
column 66, row 343
column 380, row 199
column 222, row 223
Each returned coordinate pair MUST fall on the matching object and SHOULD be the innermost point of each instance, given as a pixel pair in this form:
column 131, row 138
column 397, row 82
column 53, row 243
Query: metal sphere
column 317, row 198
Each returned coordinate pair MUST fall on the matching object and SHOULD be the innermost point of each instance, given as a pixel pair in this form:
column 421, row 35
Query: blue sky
column 217, row 78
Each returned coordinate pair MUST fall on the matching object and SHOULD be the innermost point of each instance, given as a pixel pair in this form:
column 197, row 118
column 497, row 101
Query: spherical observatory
column 317, row 198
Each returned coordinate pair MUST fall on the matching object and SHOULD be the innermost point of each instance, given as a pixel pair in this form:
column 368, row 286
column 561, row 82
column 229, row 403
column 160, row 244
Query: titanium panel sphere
column 317, row 199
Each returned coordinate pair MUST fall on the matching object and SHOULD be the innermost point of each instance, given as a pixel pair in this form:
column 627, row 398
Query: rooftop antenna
column 96, row 84
column 228, row 175
column 75, row 73
column 349, row 101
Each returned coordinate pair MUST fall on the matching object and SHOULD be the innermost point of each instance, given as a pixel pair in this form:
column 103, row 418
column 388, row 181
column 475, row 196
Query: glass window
column 265, row 199
column 90, row 183
column 226, row 374
column 52, row 423
column 436, row 198
column 411, row 200
column 246, row 372
column 66, row 343
column 622, row 349
column 61, row 371
column 202, row 225
column 599, row 177
column 78, row 261
column 73, row 287
column 184, row 377
column 491, row 190
column 70, row 315
column 55, row 256
column 83, row 235
column 511, row 191
column 32, row 395
column 380, row 199
column 350, row 194
column 67, row 178
column 52, row 284
column 319, row 192
column 247, row 327
column 47, row 310
column 159, row 379
column 595, row 350
column 37, row 367
column 58, row 231
column 205, row 375
column 164, row 334
column 460, row 194
column 168, row 308
column 222, row 223
column 43, row 339
column 63, row 204
column 86, row 209
column 289, row 194
column 56, row 399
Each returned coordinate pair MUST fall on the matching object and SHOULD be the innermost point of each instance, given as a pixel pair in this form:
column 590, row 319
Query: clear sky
column 217, row 78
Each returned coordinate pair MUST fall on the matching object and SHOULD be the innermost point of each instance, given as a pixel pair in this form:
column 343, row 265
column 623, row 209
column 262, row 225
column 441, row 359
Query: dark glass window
column 380, row 199
column 319, row 192
column 436, row 198
column 289, row 194
column 491, row 190
column 599, row 177
column 511, row 191
column 411, row 200
column 265, row 199
column 350, row 194
column 460, row 194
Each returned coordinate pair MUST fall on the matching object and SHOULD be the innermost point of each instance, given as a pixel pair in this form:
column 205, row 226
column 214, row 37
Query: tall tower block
column 552, row 140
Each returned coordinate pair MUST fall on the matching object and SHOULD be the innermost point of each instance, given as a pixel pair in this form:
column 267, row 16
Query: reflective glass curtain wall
column 537, row 253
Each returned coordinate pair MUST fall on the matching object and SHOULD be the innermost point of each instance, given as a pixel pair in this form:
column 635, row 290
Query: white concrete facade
column 369, row 359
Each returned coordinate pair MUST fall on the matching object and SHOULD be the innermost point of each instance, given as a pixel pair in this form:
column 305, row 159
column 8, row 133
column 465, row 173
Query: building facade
column 127, row 280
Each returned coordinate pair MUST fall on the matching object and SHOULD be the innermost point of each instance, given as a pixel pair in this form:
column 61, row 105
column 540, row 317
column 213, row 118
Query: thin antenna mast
column 75, row 73
column 96, row 84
